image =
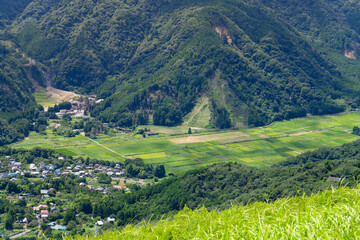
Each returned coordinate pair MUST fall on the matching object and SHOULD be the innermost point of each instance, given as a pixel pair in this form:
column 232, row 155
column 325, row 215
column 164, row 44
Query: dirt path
column 106, row 147
column 20, row 234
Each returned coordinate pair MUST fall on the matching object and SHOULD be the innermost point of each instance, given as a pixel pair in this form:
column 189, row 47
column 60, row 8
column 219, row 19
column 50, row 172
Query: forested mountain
column 15, row 88
column 9, row 9
column 259, row 61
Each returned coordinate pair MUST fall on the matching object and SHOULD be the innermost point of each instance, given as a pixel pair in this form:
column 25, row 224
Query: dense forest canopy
column 259, row 61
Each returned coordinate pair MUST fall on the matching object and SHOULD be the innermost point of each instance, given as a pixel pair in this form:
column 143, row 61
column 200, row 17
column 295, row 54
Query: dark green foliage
column 15, row 89
column 60, row 106
column 8, row 134
column 356, row 130
column 154, row 59
column 9, row 222
column 220, row 117
column 103, row 178
column 320, row 108
column 10, row 9
column 85, row 206
column 160, row 171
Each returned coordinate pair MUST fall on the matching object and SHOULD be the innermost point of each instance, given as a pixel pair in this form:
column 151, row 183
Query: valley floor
column 259, row 147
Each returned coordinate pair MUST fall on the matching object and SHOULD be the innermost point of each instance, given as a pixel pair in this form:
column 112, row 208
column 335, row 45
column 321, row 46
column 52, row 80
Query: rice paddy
column 258, row 147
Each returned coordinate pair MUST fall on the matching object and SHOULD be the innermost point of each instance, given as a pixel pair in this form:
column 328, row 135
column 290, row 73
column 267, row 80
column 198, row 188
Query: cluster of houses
column 79, row 106
column 43, row 212
column 79, row 169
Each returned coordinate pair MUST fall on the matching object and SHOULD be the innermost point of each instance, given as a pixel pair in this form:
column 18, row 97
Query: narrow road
column 106, row 147
column 20, row 234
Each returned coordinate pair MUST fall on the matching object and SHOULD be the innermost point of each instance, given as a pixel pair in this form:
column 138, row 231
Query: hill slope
column 152, row 60
column 15, row 88
column 328, row 215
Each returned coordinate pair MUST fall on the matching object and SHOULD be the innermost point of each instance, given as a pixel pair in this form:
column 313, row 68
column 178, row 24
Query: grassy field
column 259, row 147
column 328, row 215
column 43, row 98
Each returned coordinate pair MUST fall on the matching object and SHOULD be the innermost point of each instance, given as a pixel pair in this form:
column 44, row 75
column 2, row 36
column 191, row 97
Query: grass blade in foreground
column 329, row 215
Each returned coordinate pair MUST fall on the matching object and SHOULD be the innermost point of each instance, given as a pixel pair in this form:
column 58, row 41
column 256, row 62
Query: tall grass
column 333, row 214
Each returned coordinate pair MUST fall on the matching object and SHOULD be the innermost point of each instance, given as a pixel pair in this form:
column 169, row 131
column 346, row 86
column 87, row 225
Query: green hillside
column 10, row 9
column 333, row 214
column 15, row 88
column 153, row 60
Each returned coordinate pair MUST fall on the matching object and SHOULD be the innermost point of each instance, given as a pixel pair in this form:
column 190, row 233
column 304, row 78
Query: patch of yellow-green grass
column 150, row 155
column 200, row 115
column 333, row 214
column 43, row 98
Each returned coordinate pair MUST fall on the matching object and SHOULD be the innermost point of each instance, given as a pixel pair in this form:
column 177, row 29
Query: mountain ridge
column 152, row 61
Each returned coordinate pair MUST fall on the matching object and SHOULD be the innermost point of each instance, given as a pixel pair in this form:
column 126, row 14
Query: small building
column 100, row 189
column 44, row 214
column 58, row 227
column 44, row 192
column 55, row 208
column 40, row 207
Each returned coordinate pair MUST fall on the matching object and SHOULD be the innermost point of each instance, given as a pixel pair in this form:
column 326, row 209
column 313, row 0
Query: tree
column 160, row 171
column 9, row 222
column 104, row 178
column 85, row 206
column 356, row 130
column 70, row 215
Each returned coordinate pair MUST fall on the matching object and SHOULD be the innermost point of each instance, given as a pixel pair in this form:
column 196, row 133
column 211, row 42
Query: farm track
column 101, row 145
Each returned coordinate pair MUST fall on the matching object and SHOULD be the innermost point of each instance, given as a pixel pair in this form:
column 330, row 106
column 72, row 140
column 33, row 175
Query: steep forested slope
column 151, row 60
column 9, row 9
column 15, row 88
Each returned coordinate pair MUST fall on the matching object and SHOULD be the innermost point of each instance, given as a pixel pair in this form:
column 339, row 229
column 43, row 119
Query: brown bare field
column 212, row 137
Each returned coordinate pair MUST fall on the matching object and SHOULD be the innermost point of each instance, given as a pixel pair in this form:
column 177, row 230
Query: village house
column 44, row 192
column 40, row 207
column 119, row 187
column 44, row 214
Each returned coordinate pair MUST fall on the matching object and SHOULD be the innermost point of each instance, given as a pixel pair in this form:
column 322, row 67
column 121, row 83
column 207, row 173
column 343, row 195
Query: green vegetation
column 153, row 61
column 255, row 147
column 15, row 88
column 332, row 214
column 44, row 99
column 221, row 185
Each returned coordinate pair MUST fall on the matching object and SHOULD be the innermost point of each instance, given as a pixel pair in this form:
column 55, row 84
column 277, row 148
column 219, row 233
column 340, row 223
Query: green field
column 43, row 98
column 260, row 147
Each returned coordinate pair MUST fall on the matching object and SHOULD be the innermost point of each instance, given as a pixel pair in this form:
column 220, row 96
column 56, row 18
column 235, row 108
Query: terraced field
column 257, row 147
